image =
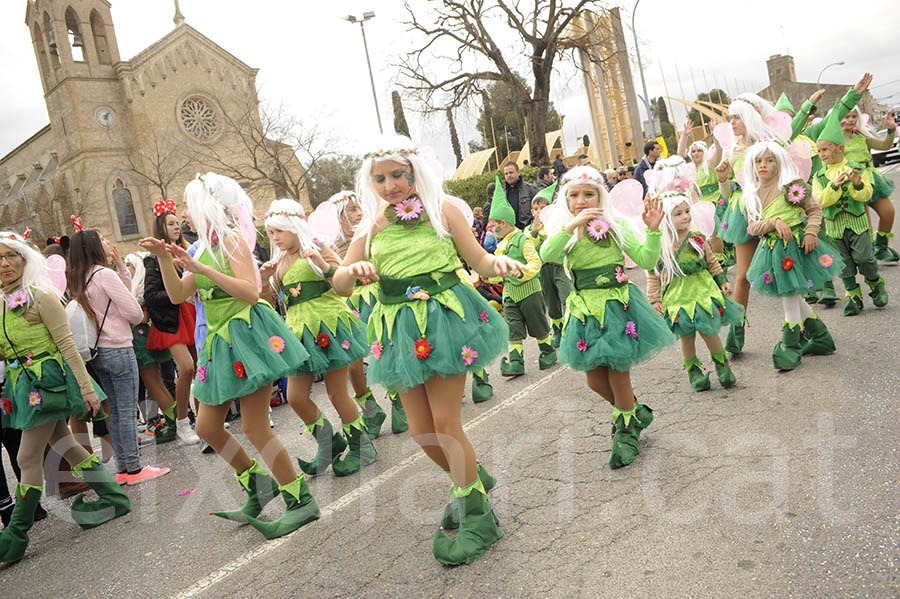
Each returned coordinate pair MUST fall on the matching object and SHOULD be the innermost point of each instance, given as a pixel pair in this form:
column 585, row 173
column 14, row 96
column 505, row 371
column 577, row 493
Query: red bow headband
column 163, row 206
column 76, row 224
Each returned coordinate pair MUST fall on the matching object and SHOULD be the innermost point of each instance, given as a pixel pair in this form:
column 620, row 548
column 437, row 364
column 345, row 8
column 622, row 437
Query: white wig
column 560, row 214
column 340, row 200
column 787, row 172
column 667, row 254
column 220, row 208
column 753, row 110
column 35, row 276
column 702, row 145
column 673, row 174
column 863, row 126
column 288, row 215
column 136, row 261
column 428, row 184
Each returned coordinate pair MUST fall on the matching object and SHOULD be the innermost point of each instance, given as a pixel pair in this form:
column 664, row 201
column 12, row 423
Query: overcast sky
column 313, row 61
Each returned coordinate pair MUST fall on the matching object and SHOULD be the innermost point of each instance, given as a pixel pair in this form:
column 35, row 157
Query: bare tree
column 159, row 160
column 264, row 146
column 52, row 205
column 465, row 36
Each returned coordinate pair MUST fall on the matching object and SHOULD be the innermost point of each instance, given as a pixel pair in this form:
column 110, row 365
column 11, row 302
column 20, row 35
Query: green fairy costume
column 427, row 320
column 147, row 357
column 733, row 227
column 609, row 322
column 247, row 346
column 41, row 384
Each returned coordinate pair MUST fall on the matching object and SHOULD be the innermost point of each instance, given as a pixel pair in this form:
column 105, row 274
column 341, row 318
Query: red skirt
column 187, row 322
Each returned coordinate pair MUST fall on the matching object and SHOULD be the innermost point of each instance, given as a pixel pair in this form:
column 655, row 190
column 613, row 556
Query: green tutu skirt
column 330, row 351
column 625, row 338
column 721, row 210
column 733, row 228
column 704, row 322
column 882, row 186
column 784, row 270
column 365, row 310
column 58, row 398
column 147, row 357
column 259, row 353
column 397, row 364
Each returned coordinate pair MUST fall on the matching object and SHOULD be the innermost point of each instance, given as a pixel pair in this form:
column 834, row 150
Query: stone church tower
column 123, row 134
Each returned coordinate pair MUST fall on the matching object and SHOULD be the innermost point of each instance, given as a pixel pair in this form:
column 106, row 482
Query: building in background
column 124, row 133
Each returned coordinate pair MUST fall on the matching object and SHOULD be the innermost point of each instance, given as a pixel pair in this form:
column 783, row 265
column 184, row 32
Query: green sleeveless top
column 696, row 288
column 857, row 150
column 402, row 251
column 708, row 182
column 33, row 343
column 220, row 308
column 327, row 309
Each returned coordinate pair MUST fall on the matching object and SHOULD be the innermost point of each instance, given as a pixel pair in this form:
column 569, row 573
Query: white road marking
column 247, row 558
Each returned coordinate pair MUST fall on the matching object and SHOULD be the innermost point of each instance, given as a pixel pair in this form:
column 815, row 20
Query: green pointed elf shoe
column 112, row 501
column 884, row 252
column 643, row 418
column 478, row 527
column 625, row 438
column 450, row 520
column 734, row 342
column 854, row 303
column 514, row 365
column 817, row 340
column 482, row 390
column 547, row 357
column 723, row 370
column 828, row 296
column 261, row 489
column 557, row 336
column 787, row 353
column 14, row 538
column 330, row 445
column 168, row 431
column 301, row 508
column 399, row 423
column 811, row 297
column 361, row 452
column 879, row 293
column 372, row 413
column 694, row 369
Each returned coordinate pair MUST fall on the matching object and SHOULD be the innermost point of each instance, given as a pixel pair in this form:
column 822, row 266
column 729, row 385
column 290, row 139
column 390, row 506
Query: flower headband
column 163, row 206
column 346, row 196
column 405, row 152
column 205, row 185
column 584, row 177
column 755, row 107
column 287, row 213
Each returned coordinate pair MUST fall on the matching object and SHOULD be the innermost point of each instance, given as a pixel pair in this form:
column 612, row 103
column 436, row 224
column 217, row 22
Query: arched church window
column 76, row 42
column 124, row 209
column 98, row 29
column 51, row 40
column 199, row 117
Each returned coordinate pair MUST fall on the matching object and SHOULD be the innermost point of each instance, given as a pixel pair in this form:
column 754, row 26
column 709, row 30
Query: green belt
column 602, row 277
column 213, row 293
column 709, row 188
column 34, row 358
column 303, row 291
column 398, row 291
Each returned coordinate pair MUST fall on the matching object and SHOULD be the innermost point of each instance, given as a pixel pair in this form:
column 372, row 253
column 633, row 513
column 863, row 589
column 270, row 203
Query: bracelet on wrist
column 331, row 271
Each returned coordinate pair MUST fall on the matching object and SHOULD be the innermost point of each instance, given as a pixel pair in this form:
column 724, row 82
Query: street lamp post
column 834, row 64
column 365, row 17
column 637, row 49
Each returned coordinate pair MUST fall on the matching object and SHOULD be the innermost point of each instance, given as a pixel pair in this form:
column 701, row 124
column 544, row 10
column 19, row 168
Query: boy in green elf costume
column 843, row 192
column 555, row 285
column 523, row 303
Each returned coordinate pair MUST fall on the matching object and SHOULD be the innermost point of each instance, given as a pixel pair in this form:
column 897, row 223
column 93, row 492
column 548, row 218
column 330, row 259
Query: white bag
column 84, row 331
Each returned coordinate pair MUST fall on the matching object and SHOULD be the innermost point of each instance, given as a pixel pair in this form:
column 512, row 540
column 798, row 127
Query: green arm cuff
column 720, row 279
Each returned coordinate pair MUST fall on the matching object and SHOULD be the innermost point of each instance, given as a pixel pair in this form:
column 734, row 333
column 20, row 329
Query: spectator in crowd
column 611, row 178
column 519, row 194
column 544, row 178
column 652, row 150
column 584, row 160
column 559, row 168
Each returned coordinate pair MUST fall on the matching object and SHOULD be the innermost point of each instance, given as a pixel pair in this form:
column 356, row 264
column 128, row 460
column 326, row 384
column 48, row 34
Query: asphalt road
column 784, row 486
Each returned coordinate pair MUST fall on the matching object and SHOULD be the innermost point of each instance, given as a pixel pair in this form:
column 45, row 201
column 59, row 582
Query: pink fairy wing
column 628, row 198
column 688, row 176
column 703, row 217
column 325, row 222
column 780, row 122
column 463, row 207
column 864, row 120
column 56, row 270
column 429, row 157
column 801, row 152
column 739, row 176
column 724, row 135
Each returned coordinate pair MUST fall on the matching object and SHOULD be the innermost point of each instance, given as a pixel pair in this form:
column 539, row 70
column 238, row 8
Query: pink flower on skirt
column 581, row 345
column 201, row 374
column 376, row 350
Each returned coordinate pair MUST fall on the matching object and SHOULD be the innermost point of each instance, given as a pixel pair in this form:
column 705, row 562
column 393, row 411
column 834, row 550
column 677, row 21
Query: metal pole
column 834, row 64
column 637, row 49
column 371, row 78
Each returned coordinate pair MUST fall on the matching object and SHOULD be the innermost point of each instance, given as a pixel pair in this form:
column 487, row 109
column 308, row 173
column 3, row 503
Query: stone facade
column 123, row 134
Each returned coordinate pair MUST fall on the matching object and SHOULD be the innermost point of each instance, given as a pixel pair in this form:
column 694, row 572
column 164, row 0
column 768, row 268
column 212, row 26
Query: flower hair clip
column 76, row 224
column 163, row 206
column 405, row 152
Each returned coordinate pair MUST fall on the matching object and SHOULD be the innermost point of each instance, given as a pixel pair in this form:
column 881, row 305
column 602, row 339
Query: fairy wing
column 56, row 270
column 325, row 222
column 724, row 135
column 780, row 123
column 703, row 217
column 628, row 200
column 463, row 207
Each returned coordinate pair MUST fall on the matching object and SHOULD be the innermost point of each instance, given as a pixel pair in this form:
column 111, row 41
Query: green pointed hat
column 500, row 208
column 832, row 130
column 545, row 194
column 784, row 103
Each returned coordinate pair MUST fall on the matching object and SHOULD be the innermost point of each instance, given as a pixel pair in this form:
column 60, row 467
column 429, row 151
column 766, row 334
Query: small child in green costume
column 690, row 289
column 523, row 302
column 300, row 271
column 842, row 188
column 555, row 285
